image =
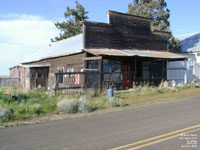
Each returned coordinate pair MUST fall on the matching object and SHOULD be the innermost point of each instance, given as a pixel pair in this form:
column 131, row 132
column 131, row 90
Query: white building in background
column 190, row 44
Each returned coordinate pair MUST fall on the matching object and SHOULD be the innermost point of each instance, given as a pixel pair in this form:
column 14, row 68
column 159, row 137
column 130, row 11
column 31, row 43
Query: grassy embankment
column 17, row 106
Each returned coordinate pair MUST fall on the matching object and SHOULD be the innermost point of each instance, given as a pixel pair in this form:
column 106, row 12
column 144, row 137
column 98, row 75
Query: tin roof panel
column 64, row 47
column 136, row 52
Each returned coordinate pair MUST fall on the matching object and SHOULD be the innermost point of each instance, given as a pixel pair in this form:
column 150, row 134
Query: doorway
column 127, row 76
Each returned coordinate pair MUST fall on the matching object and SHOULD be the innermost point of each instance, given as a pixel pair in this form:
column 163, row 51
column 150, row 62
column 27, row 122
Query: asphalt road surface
column 173, row 126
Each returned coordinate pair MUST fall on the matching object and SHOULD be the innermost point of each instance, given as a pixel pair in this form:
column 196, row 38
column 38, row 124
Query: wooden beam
column 92, row 58
column 161, row 33
column 100, row 75
column 128, row 15
column 84, row 62
column 96, row 24
column 135, row 69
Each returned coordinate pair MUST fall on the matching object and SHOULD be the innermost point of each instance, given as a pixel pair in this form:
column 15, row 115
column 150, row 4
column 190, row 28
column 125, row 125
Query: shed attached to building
column 190, row 44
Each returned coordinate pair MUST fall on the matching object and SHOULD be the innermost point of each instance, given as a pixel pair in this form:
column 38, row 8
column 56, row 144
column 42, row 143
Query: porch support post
column 28, row 78
column 135, row 70
column 185, row 75
column 100, row 75
column 164, row 66
column 166, row 72
column 162, row 63
column 85, row 61
column 84, row 76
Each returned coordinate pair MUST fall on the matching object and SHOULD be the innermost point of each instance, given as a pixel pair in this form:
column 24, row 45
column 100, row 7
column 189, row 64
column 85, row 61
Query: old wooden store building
column 123, row 52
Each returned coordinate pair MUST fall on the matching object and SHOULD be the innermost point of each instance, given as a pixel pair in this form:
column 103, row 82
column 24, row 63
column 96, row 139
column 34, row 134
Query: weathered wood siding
column 65, row 63
column 39, row 77
column 21, row 72
column 9, row 82
column 123, row 32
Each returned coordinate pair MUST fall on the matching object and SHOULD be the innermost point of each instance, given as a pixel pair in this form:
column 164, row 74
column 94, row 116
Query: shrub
column 71, row 106
column 5, row 114
column 4, row 96
column 83, row 106
column 21, row 97
column 115, row 102
column 9, row 97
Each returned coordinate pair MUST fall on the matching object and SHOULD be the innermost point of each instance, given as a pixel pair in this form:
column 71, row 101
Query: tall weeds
column 15, row 105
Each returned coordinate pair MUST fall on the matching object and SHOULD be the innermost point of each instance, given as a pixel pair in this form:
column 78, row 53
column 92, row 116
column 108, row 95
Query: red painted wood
column 127, row 77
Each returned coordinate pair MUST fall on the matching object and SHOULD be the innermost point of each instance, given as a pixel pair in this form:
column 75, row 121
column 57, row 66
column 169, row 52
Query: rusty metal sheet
column 135, row 52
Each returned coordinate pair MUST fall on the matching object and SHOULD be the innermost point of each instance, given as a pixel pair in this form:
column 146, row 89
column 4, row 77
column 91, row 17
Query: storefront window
column 146, row 71
column 92, row 64
column 110, row 67
column 106, row 68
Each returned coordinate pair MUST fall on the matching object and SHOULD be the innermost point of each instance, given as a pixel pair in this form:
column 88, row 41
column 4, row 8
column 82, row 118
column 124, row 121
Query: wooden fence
column 81, row 81
column 9, row 82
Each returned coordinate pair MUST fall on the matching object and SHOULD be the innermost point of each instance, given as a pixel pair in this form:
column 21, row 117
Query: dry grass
column 156, row 95
column 32, row 104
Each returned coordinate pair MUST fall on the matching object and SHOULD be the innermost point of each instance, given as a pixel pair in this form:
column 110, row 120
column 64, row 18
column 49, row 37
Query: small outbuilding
column 190, row 44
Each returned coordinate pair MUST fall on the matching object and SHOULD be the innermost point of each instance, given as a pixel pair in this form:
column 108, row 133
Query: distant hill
column 190, row 42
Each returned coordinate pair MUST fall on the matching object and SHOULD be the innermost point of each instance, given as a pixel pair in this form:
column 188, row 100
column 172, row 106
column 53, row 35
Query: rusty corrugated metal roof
column 135, row 52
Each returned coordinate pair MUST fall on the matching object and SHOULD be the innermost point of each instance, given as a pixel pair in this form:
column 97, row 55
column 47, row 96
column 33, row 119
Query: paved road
column 111, row 130
column 189, row 142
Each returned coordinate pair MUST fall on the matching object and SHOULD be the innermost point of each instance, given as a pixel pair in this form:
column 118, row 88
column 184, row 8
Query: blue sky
column 27, row 26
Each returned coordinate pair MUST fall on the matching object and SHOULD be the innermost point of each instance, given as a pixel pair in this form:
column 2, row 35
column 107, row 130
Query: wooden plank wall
column 9, row 82
column 21, row 73
column 65, row 63
column 123, row 33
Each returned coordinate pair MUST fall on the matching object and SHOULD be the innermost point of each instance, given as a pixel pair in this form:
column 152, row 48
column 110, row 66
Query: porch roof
column 136, row 52
column 36, row 65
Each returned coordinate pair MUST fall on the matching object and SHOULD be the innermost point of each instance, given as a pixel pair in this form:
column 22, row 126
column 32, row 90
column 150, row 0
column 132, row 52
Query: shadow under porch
column 128, row 72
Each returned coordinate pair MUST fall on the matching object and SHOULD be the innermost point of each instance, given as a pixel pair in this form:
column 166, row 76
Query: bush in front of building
column 84, row 105
column 69, row 106
column 5, row 114
column 115, row 102
column 9, row 96
column 72, row 106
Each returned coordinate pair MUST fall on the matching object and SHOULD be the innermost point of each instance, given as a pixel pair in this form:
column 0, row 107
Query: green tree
column 174, row 45
column 73, row 24
column 158, row 11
